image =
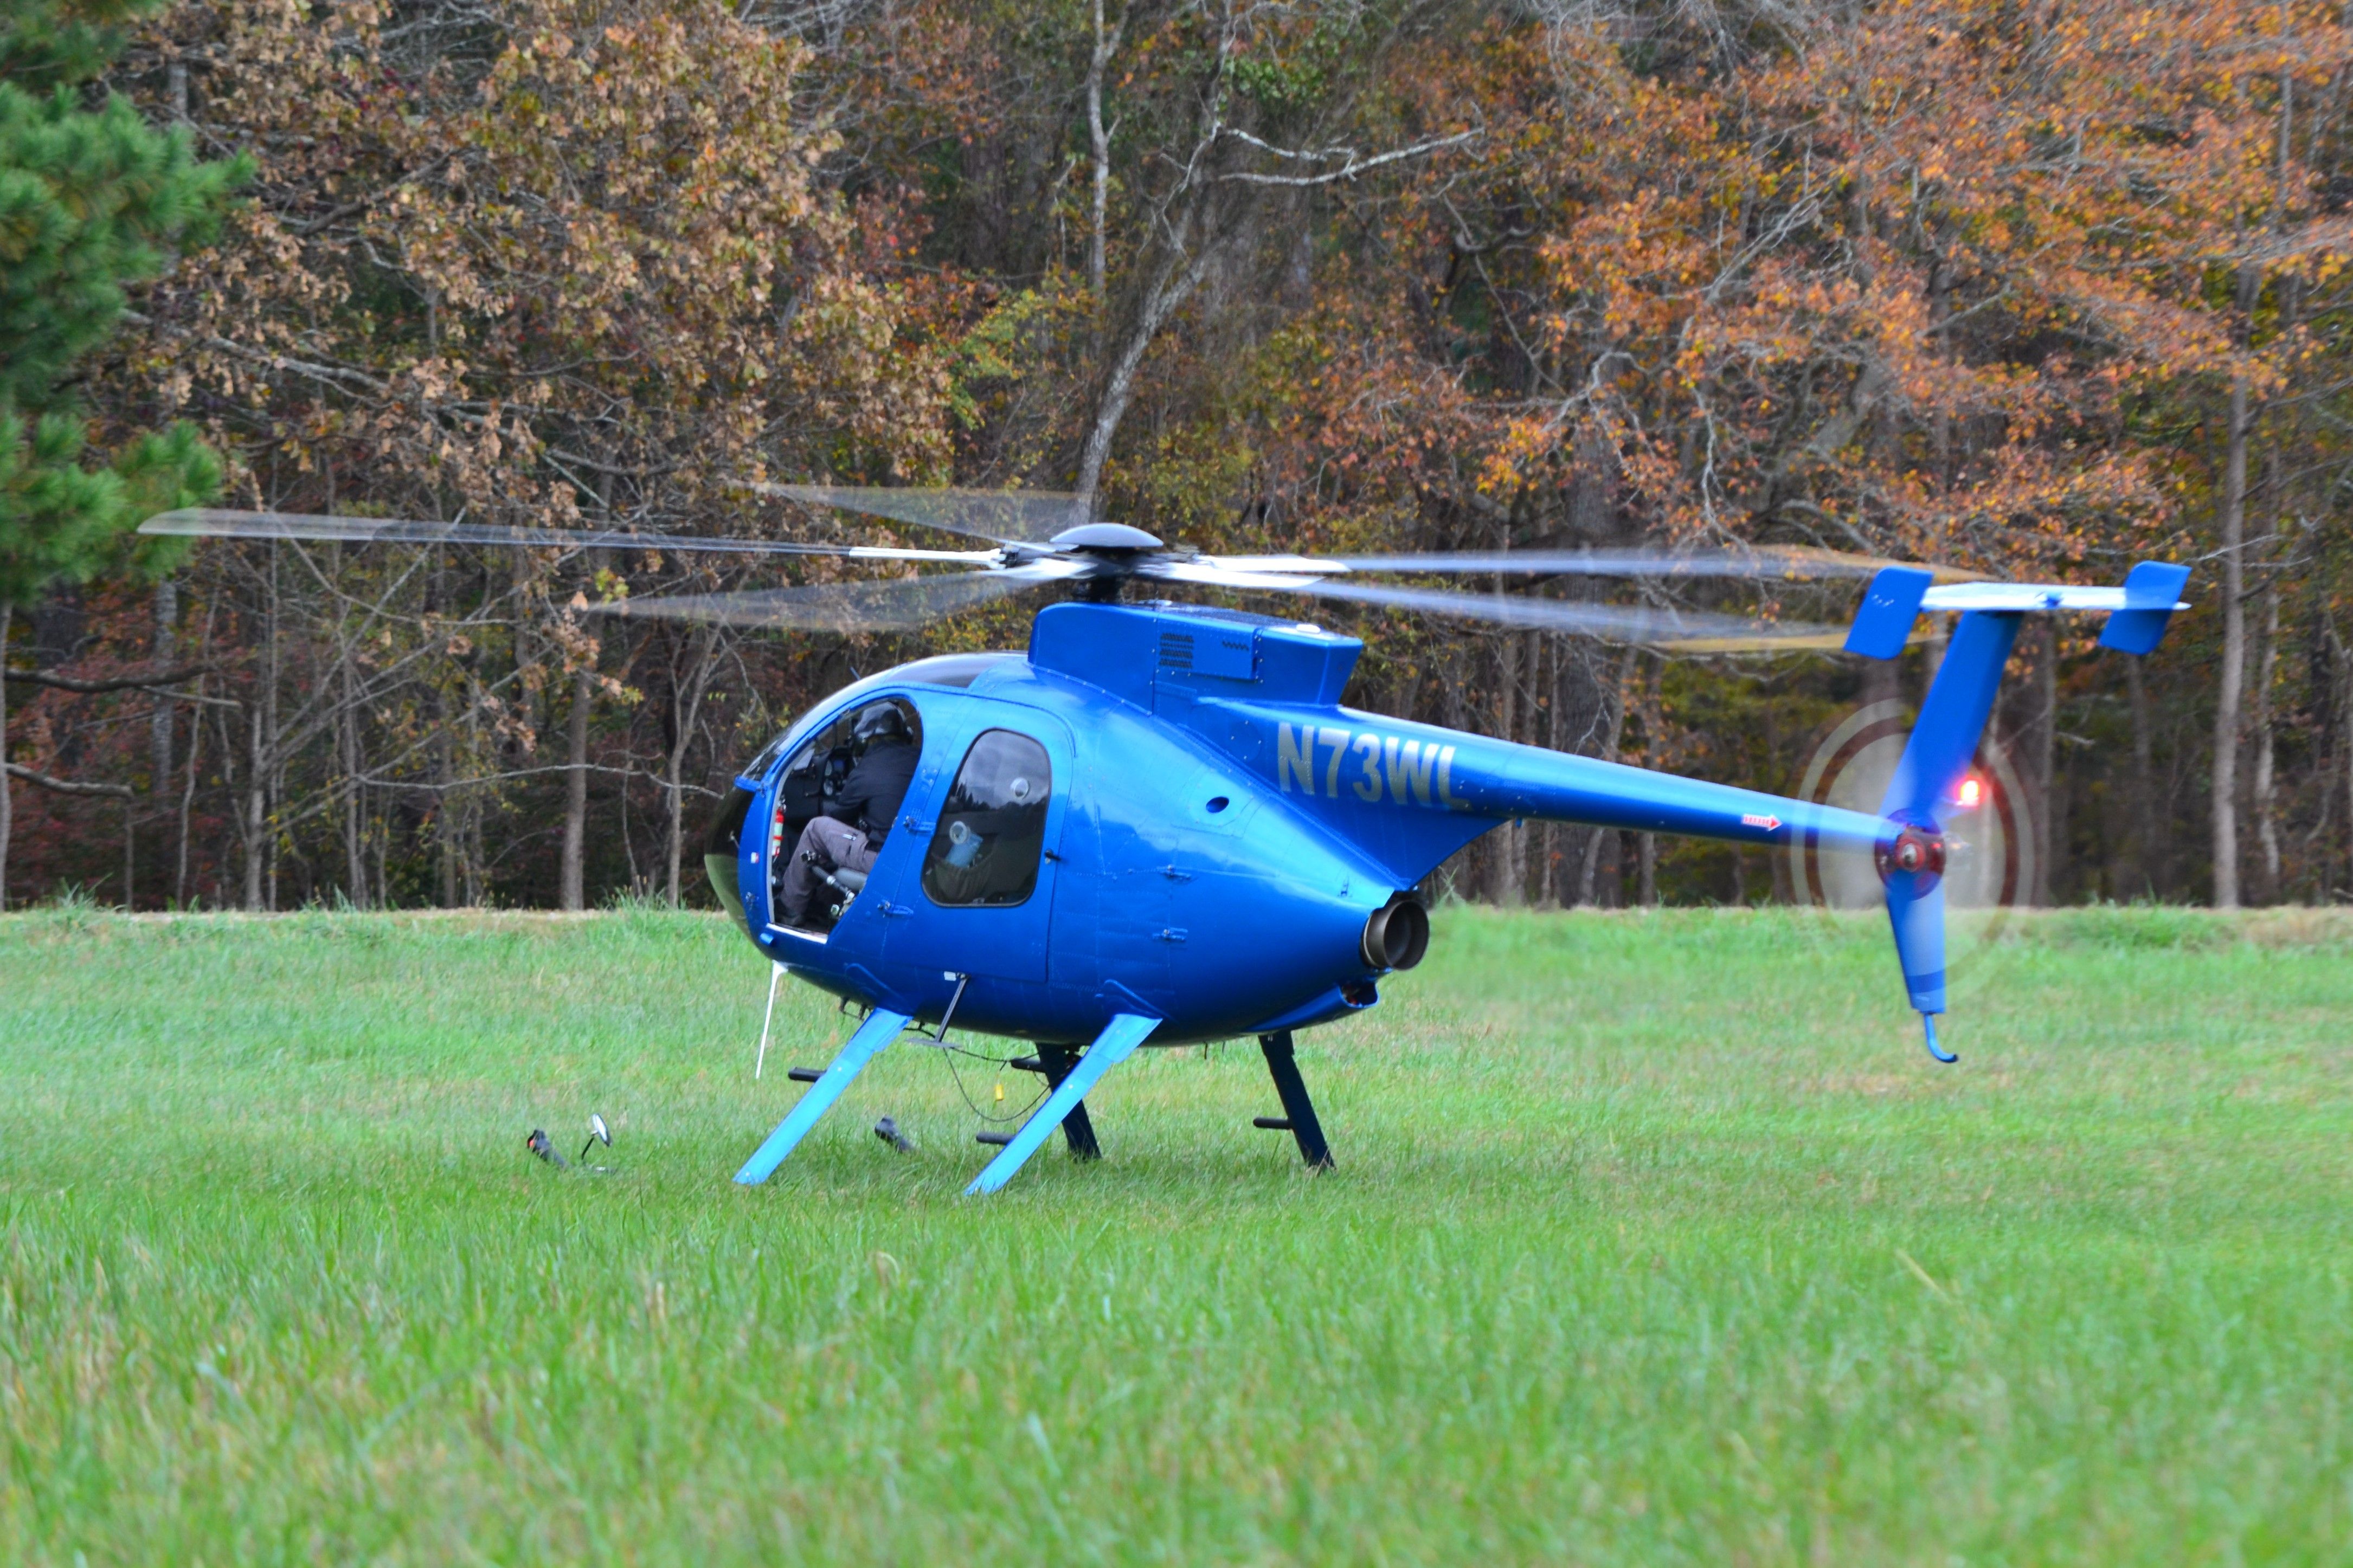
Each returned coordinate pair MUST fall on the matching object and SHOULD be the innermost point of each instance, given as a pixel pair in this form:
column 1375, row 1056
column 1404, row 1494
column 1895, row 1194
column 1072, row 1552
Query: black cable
column 1020, row 1115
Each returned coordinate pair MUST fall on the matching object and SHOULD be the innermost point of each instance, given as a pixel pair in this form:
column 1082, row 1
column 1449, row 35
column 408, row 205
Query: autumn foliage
column 2032, row 289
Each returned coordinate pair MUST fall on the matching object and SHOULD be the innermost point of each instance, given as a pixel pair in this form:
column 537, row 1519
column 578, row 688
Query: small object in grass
column 887, row 1130
column 597, row 1133
column 538, row 1144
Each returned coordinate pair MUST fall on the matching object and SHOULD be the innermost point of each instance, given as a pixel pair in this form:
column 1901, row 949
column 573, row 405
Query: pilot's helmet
column 881, row 721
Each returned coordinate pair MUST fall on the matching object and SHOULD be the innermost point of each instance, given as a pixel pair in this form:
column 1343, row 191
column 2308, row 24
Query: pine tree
column 93, row 200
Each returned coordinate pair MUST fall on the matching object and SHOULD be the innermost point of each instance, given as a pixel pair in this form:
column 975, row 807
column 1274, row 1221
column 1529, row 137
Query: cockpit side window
column 991, row 830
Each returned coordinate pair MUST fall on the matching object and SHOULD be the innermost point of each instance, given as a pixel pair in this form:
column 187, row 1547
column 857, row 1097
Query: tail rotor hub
column 1914, row 852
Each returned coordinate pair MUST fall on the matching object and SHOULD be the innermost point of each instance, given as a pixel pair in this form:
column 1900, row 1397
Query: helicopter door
column 983, row 900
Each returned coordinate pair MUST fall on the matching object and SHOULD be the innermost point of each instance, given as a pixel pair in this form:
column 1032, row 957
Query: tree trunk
column 1099, row 148
column 7, row 804
column 1174, row 284
column 1508, row 871
column 2147, row 842
column 2344, row 664
column 355, row 877
column 1453, row 714
column 445, row 801
column 187, row 805
column 687, row 707
column 1587, row 876
column 167, row 648
column 255, row 810
column 575, row 796
column 1654, row 754
column 2266, row 794
column 1548, row 879
column 2050, row 823
column 2234, row 655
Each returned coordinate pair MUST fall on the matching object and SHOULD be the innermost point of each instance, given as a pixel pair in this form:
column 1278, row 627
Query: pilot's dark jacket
column 876, row 783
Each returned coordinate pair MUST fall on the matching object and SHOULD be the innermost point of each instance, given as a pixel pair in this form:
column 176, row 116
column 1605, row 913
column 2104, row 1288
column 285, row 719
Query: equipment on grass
column 887, row 1130
column 597, row 1134
column 538, row 1144
column 1158, row 825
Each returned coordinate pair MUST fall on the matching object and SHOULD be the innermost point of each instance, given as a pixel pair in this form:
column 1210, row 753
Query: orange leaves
column 598, row 259
column 1894, row 283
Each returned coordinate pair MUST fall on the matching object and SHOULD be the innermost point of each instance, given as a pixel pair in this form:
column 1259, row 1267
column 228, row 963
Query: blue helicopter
column 1160, row 826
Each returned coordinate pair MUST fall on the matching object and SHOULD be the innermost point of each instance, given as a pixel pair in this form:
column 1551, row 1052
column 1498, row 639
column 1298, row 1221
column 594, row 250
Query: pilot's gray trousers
column 838, row 846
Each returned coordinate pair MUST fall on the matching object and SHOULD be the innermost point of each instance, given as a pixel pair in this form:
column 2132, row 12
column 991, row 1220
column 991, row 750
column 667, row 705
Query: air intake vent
column 1230, row 653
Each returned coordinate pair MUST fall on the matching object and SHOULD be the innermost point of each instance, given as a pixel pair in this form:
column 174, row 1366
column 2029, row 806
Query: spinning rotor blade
column 1678, row 631
column 1010, row 517
column 893, row 605
column 213, row 522
column 1785, row 560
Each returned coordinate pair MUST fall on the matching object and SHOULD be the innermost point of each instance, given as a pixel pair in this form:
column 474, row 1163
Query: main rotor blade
column 213, row 522
column 1782, row 560
column 1680, row 631
column 899, row 604
column 1010, row 517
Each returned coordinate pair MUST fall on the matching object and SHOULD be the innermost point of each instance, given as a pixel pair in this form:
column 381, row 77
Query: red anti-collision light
column 1971, row 791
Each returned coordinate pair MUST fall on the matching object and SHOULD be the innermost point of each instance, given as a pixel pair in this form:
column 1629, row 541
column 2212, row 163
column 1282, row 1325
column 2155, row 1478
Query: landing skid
column 1114, row 1045
column 878, row 1030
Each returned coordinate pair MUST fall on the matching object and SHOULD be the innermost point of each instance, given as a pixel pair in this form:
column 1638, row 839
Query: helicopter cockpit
column 820, row 760
column 812, row 786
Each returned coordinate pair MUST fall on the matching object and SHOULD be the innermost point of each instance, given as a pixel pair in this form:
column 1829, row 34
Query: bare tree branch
column 68, row 786
column 1353, row 167
column 150, row 682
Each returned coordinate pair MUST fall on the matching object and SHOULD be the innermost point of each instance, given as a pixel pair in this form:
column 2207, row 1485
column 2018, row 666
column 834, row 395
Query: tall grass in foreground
column 1653, row 1239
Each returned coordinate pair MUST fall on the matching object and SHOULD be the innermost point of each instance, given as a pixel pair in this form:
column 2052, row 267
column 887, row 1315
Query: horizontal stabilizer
column 2137, row 612
column 1889, row 605
column 2152, row 589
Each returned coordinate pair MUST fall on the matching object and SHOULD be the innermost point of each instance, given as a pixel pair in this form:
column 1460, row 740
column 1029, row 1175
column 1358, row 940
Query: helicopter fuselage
column 1216, row 842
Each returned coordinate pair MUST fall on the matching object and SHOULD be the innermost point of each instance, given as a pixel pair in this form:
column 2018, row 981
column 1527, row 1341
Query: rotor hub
column 1914, row 852
column 1113, row 539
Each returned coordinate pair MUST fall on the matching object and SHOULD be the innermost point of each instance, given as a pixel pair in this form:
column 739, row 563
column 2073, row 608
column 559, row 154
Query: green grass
column 1652, row 1240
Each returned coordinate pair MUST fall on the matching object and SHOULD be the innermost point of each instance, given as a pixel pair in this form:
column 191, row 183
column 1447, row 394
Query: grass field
column 1653, row 1239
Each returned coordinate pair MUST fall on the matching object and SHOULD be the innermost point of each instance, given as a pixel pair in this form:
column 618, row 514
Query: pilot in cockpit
column 860, row 813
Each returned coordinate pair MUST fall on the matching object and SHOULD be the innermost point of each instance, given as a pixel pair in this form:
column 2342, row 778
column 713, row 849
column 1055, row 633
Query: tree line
column 2029, row 290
